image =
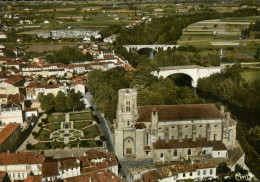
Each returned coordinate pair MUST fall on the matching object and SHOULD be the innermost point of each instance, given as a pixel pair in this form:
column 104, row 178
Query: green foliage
column 239, row 169
column 112, row 29
column 223, row 168
column 47, row 102
column 67, row 55
column 254, row 137
column 60, row 102
column 9, row 53
column 73, row 101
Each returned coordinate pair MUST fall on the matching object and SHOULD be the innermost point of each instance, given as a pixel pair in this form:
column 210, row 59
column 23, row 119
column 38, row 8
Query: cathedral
column 170, row 133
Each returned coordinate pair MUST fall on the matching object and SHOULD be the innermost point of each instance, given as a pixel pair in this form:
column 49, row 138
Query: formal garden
column 73, row 130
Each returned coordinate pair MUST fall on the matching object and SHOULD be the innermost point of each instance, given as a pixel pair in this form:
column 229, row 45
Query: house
column 15, row 80
column 111, row 38
column 1, row 53
column 15, row 64
column 8, row 135
column 30, row 112
column 19, row 40
column 7, row 88
column 34, row 89
column 79, row 86
column 94, row 160
column 11, row 113
column 60, row 168
column 3, row 35
column 194, row 170
column 87, row 99
column 12, row 99
column 20, row 165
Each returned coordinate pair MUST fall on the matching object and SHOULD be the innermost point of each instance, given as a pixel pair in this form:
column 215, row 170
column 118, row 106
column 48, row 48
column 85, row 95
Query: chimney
column 222, row 109
column 228, row 116
column 89, row 179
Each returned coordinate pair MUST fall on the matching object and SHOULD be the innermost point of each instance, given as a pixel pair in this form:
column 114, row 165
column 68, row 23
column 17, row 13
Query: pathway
column 30, row 138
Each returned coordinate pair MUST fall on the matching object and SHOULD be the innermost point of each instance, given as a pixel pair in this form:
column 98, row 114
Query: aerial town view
column 129, row 90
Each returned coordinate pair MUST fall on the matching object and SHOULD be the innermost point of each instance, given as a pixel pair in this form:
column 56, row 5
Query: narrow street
column 104, row 126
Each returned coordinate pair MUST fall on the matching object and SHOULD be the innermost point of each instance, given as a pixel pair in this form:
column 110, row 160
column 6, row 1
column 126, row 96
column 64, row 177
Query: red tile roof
column 179, row 112
column 33, row 179
column 102, row 176
column 7, row 131
column 14, row 79
column 15, row 99
column 66, row 163
column 21, row 158
column 50, row 168
column 88, row 166
column 30, row 109
column 188, row 143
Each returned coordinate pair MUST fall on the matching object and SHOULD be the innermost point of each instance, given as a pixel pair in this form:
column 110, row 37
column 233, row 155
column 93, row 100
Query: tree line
column 151, row 91
column 61, row 102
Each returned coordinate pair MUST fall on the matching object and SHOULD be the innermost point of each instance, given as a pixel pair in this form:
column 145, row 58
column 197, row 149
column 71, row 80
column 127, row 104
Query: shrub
column 99, row 143
column 29, row 146
column 103, row 138
column 40, row 125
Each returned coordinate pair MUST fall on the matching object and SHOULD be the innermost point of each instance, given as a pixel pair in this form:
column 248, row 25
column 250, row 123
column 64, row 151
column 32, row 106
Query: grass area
column 52, row 119
column 53, row 126
column 91, row 132
column 81, row 116
column 42, row 145
column 79, row 125
column 251, row 75
column 89, row 143
column 43, row 135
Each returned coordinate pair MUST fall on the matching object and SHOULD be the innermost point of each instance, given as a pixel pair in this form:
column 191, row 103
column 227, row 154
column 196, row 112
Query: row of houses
column 95, row 165
column 36, row 167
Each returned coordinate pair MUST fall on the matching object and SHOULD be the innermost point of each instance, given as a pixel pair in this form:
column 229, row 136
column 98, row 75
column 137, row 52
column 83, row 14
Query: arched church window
column 128, row 141
column 175, row 153
column 128, row 123
column 161, row 154
column 189, row 152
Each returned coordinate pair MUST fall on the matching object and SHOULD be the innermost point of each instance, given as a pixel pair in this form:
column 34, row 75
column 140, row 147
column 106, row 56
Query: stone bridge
column 134, row 48
column 194, row 71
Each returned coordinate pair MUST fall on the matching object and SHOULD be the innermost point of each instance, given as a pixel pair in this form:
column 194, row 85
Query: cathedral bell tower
column 126, row 116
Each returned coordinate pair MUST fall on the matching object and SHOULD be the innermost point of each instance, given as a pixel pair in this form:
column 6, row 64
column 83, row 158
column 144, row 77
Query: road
column 104, row 126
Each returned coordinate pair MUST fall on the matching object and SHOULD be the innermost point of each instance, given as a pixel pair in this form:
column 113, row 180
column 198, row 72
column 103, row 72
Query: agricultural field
column 251, row 74
column 221, row 33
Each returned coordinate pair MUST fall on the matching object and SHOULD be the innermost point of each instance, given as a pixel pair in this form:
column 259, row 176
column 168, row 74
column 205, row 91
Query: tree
column 47, row 102
column 60, row 102
column 73, row 101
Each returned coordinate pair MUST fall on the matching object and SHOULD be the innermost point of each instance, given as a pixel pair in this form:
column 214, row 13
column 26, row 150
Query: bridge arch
column 193, row 80
column 182, row 79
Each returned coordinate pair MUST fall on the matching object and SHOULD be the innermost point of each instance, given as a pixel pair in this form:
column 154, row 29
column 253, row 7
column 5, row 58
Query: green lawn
column 52, row 119
column 42, row 145
column 53, row 126
column 91, row 132
column 43, row 135
column 89, row 143
column 251, row 75
column 79, row 125
column 81, row 116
